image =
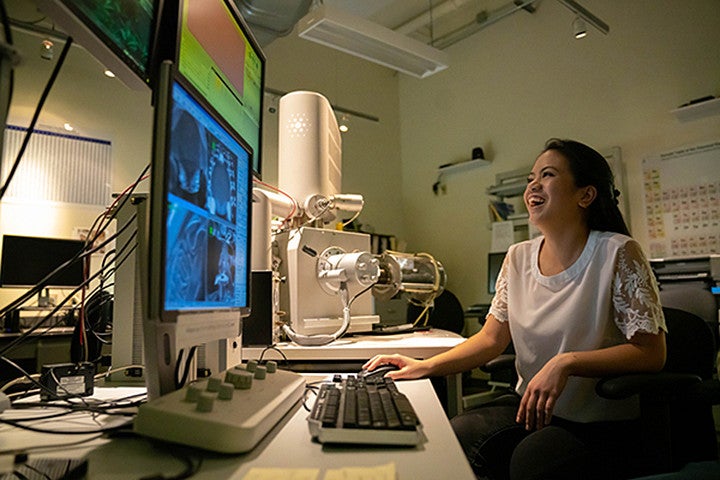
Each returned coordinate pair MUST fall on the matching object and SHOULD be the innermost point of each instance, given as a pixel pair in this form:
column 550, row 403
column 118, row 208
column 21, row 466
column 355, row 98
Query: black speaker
column 257, row 327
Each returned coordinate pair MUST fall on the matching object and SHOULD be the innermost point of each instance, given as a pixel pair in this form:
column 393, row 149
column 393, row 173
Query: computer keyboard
column 227, row 413
column 364, row 411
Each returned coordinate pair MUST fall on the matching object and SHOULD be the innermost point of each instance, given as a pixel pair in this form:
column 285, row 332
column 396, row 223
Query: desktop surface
column 288, row 445
column 421, row 344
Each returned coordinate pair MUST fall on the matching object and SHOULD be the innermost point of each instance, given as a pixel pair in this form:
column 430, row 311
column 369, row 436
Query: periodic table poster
column 682, row 201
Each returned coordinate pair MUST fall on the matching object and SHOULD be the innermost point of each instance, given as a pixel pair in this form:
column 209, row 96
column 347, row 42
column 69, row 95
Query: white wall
column 525, row 79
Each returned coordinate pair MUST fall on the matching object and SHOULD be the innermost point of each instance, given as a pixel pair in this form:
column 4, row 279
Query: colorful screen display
column 208, row 179
column 222, row 61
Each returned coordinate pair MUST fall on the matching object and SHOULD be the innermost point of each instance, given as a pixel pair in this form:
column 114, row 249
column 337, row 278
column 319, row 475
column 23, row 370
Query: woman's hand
column 541, row 394
column 409, row 368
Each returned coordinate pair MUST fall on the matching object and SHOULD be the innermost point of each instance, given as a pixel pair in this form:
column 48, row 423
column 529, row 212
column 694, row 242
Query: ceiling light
column 68, row 127
column 586, row 15
column 47, row 49
column 109, row 73
column 371, row 41
column 579, row 28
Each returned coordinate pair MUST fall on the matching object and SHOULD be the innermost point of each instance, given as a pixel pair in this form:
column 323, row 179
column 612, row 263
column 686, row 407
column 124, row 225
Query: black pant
column 499, row 448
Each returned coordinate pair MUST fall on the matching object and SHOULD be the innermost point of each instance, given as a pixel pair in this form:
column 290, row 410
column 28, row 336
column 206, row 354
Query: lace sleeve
column 636, row 298
column 498, row 307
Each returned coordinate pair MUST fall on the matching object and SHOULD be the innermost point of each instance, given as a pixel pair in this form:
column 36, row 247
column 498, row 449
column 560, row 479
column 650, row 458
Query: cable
column 5, row 23
column 81, row 255
column 36, row 115
column 292, row 200
column 324, row 339
column 274, row 348
column 29, row 331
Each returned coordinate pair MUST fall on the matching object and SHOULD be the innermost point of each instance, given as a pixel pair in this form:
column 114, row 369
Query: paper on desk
column 282, row 474
column 381, row 472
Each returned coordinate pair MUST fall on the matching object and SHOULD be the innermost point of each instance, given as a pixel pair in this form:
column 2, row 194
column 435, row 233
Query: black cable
column 116, row 207
column 18, row 340
column 80, row 256
column 17, row 424
column 179, row 383
column 6, row 23
column 36, row 115
column 272, row 347
column 90, row 241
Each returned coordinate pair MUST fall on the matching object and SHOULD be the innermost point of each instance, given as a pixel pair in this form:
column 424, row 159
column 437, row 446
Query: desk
column 349, row 353
column 288, row 445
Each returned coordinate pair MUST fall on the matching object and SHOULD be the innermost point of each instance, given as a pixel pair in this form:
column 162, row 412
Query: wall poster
column 682, row 201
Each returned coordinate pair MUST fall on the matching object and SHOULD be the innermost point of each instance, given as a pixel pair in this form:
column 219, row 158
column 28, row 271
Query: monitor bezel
column 247, row 31
column 158, row 202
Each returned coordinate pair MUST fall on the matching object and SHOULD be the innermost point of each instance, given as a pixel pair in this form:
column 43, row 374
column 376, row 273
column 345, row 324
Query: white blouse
column 602, row 300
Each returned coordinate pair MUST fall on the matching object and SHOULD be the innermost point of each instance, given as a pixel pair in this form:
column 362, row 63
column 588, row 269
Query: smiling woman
column 578, row 303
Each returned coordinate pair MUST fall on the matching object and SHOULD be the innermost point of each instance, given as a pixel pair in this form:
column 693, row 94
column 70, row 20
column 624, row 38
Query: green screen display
column 125, row 26
column 221, row 62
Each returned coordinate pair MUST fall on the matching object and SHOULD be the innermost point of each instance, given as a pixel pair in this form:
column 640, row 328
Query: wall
column 525, row 79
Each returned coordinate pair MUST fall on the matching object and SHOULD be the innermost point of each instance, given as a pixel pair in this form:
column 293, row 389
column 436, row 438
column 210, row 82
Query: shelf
column 510, row 184
column 463, row 165
column 698, row 110
column 507, row 190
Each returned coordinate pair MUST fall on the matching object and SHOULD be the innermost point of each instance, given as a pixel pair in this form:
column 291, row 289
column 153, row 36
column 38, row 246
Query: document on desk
column 381, row 472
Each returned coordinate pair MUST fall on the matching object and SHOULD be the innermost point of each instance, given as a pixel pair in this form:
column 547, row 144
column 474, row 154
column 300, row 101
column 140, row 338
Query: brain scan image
column 186, row 255
column 207, row 212
column 222, row 183
column 221, row 264
column 188, row 158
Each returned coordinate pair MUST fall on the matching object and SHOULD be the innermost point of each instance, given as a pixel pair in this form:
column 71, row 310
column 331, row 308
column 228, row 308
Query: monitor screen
column 118, row 34
column 495, row 261
column 220, row 57
column 205, row 216
column 28, row 260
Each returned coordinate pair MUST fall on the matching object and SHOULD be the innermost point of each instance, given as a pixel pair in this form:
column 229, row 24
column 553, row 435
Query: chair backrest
column 693, row 297
column 690, row 344
column 447, row 313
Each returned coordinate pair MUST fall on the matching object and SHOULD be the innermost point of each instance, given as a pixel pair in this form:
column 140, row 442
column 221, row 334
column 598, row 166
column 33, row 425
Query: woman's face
column 551, row 197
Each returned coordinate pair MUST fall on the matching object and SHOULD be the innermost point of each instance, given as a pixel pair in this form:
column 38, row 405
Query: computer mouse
column 380, row 371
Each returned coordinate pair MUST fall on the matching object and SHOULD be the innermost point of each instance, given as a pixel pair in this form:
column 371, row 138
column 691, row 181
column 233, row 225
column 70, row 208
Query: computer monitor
column 121, row 35
column 198, row 238
column 220, row 57
column 495, row 261
column 26, row 261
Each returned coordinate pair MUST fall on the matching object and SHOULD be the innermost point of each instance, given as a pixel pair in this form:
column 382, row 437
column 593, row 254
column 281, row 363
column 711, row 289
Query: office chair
column 694, row 297
column 676, row 420
column 446, row 313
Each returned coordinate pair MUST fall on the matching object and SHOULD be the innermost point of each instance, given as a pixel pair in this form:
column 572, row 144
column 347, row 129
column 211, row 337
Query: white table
column 349, row 353
column 288, row 445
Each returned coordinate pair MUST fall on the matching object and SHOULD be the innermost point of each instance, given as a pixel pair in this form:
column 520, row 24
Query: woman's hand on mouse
column 409, row 368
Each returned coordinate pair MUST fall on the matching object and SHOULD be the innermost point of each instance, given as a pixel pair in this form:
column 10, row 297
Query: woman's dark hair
column 588, row 167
